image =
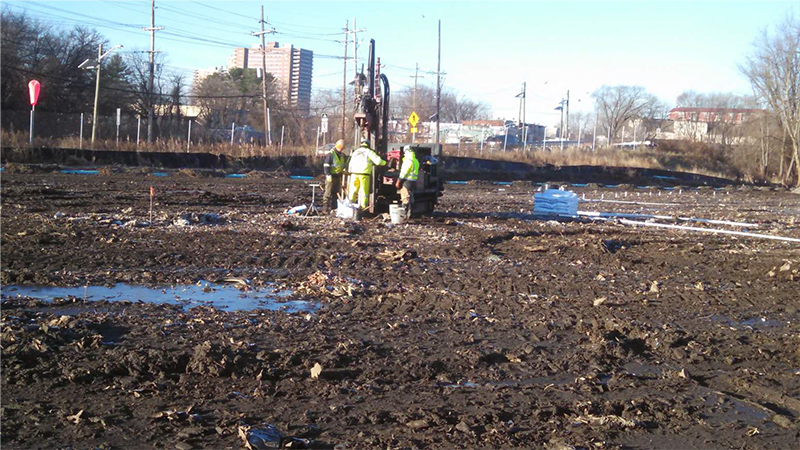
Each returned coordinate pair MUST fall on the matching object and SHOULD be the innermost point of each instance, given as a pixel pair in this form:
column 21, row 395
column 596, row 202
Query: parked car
column 497, row 141
column 325, row 149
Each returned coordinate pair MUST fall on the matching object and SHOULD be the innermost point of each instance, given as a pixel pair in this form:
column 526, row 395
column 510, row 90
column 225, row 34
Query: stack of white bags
column 554, row 201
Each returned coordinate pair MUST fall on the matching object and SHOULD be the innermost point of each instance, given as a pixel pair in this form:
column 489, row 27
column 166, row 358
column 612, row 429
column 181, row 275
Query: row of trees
column 773, row 69
column 454, row 107
column 34, row 49
column 766, row 145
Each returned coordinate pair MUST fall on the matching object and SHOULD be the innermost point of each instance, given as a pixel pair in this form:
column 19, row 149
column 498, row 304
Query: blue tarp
column 79, row 171
column 236, row 175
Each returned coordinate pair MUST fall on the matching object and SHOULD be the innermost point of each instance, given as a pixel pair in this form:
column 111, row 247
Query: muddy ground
column 479, row 327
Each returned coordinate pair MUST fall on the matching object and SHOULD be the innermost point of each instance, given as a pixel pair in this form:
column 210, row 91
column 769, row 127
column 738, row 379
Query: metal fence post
column 80, row 145
column 189, row 138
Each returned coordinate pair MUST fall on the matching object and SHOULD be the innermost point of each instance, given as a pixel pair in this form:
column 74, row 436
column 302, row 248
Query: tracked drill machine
column 372, row 119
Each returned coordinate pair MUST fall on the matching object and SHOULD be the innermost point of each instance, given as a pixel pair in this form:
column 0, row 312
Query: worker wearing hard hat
column 360, row 168
column 409, row 172
column 335, row 163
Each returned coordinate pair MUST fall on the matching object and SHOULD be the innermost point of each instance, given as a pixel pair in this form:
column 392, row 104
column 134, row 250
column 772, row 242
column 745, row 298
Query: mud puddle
column 752, row 323
column 220, row 296
column 544, row 381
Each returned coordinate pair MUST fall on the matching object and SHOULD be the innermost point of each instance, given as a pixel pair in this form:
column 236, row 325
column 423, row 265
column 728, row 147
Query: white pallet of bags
column 554, row 201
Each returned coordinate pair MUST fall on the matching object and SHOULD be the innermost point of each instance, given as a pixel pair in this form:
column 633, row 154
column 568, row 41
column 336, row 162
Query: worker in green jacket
column 361, row 162
column 407, row 180
column 334, row 165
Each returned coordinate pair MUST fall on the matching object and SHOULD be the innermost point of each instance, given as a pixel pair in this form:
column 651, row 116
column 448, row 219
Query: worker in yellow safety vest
column 361, row 161
column 334, row 165
column 409, row 172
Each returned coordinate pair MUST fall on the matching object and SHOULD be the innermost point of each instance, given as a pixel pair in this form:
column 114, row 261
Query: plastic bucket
column 397, row 213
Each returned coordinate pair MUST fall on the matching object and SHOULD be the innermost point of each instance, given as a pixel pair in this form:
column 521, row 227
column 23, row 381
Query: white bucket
column 397, row 213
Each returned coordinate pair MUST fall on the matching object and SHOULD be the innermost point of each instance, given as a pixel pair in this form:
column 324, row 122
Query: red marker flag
column 33, row 89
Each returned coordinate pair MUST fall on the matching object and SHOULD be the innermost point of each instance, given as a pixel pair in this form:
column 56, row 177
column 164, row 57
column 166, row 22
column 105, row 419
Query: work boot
column 407, row 209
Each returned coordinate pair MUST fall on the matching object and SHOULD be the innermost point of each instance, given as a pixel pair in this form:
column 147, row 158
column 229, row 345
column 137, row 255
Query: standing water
column 220, row 296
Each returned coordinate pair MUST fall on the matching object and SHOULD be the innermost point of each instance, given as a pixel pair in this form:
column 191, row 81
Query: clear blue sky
column 488, row 48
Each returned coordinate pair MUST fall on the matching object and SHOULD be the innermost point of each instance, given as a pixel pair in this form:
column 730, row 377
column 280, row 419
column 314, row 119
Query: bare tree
column 619, row 104
column 33, row 49
column 774, row 71
column 579, row 123
column 139, row 80
column 454, row 106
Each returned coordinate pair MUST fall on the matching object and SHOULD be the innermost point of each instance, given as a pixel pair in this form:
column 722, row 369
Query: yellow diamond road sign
column 413, row 119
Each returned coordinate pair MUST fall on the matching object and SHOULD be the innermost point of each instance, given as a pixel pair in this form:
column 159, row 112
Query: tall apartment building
column 289, row 65
column 200, row 74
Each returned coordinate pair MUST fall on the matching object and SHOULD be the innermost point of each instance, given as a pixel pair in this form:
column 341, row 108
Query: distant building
column 485, row 123
column 289, row 65
column 709, row 125
column 200, row 74
column 710, row 115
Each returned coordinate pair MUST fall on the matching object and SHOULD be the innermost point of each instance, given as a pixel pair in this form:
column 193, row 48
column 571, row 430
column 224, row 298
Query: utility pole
column 347, row 31
column 96, row 93
column 524, row 108
column 265, row 100
column 414, row 95
column 438, row 83
column 88, row 65
column 344, row 76
column 414, row 98
column 355, row 51
column 264, row 76
column 521, row 117
column 151, row 115
column 567, row 114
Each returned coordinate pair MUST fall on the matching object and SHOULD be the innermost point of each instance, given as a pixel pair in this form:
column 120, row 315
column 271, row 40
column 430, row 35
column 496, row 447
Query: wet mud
column 477, row 327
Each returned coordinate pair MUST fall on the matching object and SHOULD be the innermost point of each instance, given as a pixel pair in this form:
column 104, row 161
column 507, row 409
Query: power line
column 129, row 91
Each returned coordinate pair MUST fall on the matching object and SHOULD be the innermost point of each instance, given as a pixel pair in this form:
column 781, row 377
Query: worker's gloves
column 328, row 178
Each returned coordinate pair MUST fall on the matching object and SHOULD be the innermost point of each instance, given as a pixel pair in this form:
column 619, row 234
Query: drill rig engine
column 372, row 119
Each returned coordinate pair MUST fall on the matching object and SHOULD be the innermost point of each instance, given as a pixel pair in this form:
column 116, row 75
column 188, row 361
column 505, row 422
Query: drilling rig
column 372, row 120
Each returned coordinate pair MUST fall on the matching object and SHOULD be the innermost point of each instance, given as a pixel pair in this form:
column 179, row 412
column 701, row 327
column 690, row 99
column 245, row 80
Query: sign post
column 413, row 119
column 324, row 127
column 119, row 112
column 34, row 87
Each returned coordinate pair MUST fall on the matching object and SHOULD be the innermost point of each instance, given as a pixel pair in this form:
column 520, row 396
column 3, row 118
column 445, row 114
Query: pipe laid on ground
column 662, row 217
column 708, row 230
column 629, row 202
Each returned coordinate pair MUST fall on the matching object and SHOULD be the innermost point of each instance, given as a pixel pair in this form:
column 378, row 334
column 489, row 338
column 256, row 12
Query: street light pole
column 88, row 65
column 96, row 93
